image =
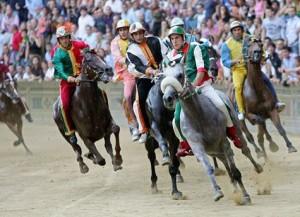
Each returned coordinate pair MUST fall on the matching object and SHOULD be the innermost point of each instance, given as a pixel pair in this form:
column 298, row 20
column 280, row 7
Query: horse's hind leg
column 260, row 139
column 273, row 146
column 109, row 149
column 83, row 167
column 97, row 157
column 276, row 121
column 115, row 129
column 150, row 145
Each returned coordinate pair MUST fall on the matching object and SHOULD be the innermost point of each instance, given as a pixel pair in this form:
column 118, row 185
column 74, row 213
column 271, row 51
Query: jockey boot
column 135, row 135
column 184, row 149
column 143, row 138
column 28, row 117
column 231, row 133
column 73, row 139
column 280, row 106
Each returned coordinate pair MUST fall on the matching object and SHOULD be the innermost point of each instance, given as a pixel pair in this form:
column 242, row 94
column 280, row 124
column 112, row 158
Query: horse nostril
column 169, row 99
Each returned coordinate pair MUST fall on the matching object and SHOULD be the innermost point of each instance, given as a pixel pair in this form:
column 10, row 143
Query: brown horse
column 259, row 102
column 11, row 113
column 90, row 113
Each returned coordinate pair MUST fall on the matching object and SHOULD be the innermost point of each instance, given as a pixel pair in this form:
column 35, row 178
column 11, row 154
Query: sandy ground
column 49, row 184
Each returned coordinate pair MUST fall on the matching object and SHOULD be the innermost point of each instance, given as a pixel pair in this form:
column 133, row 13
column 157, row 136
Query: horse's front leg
column 273, row 146
column 173, row 168
column 97, row 157
column 276, row 121
column 161, row 142
column 151, row 145
column 199, row 152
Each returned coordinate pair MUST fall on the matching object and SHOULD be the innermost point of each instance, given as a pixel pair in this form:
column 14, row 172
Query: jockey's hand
column 72, row 79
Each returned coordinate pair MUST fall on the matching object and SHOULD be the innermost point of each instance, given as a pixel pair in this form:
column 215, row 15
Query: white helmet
column 62, row 32
column 235, row 24
column 122, row 23
column 135, row 27
column 176, row 21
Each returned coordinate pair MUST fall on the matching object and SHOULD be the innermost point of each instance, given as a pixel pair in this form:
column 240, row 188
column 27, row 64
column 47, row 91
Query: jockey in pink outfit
column 118, row 49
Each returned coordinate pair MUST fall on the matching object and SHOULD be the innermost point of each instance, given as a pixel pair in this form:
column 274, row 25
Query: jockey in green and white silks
column 176, row 21
column 196, row 69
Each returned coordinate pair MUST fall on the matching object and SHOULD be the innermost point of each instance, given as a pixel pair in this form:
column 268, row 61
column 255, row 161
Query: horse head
column 95, row 68
column 213, row 55
column 172, row 84
column 255, row 51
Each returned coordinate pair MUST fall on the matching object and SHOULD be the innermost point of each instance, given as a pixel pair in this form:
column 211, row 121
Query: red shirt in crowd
column 16, row 40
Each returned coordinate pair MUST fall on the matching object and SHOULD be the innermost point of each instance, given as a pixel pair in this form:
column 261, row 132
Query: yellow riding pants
column 238, row 78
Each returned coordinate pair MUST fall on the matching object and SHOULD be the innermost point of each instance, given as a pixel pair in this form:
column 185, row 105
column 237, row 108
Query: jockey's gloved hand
column 72, row 79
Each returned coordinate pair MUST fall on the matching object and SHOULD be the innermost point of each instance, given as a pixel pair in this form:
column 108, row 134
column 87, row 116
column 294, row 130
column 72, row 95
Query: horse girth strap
column 148, row 54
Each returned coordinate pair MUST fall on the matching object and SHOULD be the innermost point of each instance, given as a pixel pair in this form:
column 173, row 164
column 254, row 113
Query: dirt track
column 49, row 184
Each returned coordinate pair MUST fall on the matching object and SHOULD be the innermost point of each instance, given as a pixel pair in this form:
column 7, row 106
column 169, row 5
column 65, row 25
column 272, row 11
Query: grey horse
column 206, row 134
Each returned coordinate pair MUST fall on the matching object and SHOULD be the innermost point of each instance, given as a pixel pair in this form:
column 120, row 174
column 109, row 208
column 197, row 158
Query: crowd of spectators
column 28, row 29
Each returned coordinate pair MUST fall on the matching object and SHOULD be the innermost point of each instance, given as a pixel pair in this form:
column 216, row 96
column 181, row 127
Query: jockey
column 118, row 48
column 11, row 92
column 176, row 21
column 196, row 69
column 144, row 56
column 233, row 52
column 67, row 63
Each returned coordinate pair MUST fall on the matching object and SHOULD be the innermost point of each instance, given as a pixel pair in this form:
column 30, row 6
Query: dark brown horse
column 259, row 101
column 90, row 113
column 11, row 113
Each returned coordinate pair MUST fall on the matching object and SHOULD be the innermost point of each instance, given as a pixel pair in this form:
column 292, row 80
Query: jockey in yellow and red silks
column 118, row 48
column 232, row 53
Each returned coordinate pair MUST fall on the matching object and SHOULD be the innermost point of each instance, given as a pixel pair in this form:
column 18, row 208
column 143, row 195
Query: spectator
column 9, row 20
column 191, row 20
column 275, row 63
column 49, row 75
column 36, row 68
column 90, row 37
column 27, row 74
column 200, row 13
column 19, row 73
column 293, row 30
column 15, row 41
column 288, row 63
column 84, row 19
column 115, row 5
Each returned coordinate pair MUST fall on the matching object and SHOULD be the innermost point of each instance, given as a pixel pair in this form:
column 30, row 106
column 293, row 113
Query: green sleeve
column 59, row 68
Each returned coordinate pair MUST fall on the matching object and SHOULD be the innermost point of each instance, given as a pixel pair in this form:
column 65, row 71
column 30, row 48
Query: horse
column 207, row 132
column 11, row 112
column 259, row 102
column 90, row 113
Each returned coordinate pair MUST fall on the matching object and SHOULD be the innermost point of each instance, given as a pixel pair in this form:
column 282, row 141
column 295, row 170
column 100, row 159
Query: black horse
column 90, row 113
column 11, row 112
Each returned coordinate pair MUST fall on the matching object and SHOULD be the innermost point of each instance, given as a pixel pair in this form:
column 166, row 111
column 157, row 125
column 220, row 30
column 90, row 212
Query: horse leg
column 236, row 176
column 273, row 146
column 109, row 149
column 161, row 142
column 97, row 158
column 218, row 171
column 201, row 156
column 173, row 168
column 116, row 131
column 150, row 147
column 260, row 139
column 250, row 138
column 83, row 167
column 17, row 130
column 276, row 121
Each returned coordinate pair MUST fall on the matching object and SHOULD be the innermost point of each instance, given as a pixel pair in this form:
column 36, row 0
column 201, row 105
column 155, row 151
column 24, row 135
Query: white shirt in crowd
column 83, row 21
column 115, row 5
column 292, row 30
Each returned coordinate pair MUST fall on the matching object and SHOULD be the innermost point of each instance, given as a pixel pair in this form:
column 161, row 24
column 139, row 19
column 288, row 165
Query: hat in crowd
column 122, row 23
column 235, row 24
column 176, row 21
column 136, row 27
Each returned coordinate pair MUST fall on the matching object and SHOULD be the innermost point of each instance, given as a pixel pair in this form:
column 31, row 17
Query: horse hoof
column 273, row 147
column 179, row 179
column 83, row 168
column 260, row 154
column 218, row 195
column 101, row 162
column 292, row 149
column 155, row 190
column 259, row 168
column 165, row 161
column 118, row 161
column 89, row 156
column 16, row 143
column 177, row 195
column 117, row 167
column 156, row 163
column 219, row 172
column 246, row 200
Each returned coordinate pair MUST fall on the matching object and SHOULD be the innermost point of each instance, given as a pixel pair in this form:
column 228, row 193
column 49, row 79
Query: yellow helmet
column 135, row 27
column 122, row 23
column 62, row 32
